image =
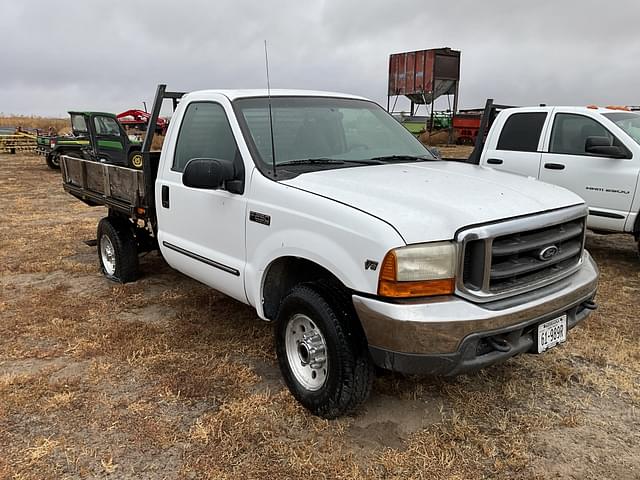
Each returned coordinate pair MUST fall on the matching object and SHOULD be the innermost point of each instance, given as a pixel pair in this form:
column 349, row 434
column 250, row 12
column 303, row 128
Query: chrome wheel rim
column 306, row 352
column 55, row 160
column 108, row 255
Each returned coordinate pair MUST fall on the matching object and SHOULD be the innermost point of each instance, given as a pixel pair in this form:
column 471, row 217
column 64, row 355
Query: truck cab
column 594, row 152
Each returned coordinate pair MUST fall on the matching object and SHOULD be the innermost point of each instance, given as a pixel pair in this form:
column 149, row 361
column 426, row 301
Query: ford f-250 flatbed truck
column 330, row 219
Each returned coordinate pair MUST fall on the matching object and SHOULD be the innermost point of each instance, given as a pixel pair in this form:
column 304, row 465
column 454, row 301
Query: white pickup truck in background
column 334, row 222
column 595, row 152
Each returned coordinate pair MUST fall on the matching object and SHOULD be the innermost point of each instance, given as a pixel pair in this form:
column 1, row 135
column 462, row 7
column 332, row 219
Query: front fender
column 320, row 249
column 301, row 224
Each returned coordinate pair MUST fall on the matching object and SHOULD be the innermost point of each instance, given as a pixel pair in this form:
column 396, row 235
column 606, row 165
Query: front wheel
column 322, row 351
column 117, row 250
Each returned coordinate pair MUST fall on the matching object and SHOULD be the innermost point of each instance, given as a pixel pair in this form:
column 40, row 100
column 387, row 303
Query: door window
column 205, row 133
column 521, row 132
column 570, row 132
column 106, row 126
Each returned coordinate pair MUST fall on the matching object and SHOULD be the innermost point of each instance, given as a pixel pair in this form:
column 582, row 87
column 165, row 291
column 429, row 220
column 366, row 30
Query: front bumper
column 449, row 335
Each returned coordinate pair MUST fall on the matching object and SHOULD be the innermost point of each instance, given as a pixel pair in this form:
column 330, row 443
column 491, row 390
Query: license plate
column 552, row 333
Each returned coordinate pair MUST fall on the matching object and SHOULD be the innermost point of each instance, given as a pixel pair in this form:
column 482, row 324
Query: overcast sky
column 62, row 55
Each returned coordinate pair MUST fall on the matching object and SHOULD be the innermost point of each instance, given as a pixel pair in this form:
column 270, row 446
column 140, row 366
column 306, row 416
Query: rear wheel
column 53, row 160
column 322, row 351
column 117, row 250
column 135, row 160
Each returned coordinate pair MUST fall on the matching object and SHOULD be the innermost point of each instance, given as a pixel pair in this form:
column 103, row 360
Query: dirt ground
column 165, row 378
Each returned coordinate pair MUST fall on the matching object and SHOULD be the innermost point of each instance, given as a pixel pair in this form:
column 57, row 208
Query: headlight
column 419, row 270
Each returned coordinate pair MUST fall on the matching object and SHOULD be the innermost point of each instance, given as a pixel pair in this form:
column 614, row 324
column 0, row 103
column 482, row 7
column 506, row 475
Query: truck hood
column 429, row 201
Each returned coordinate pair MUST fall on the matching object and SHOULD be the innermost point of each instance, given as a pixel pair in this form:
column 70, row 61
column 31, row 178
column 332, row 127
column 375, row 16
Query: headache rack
column 519, row 255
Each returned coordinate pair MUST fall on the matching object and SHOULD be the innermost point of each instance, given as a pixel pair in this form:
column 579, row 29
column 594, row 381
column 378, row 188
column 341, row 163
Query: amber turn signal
column 416, row 289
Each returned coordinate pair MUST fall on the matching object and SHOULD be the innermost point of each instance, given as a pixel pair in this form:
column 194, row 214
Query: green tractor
column 97, row 136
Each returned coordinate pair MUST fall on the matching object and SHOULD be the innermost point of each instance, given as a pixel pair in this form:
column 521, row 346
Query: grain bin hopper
column 423, row 76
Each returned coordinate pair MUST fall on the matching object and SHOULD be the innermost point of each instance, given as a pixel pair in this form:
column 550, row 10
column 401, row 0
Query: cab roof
column 249, row 93
column 573, row 108
column 106, row 114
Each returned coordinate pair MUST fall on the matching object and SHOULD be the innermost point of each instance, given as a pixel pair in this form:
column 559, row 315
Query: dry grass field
column 164, row 378
column 61, row 125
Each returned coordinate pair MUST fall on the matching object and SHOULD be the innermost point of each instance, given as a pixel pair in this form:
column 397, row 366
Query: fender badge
column 370, row 265
column 258, row 217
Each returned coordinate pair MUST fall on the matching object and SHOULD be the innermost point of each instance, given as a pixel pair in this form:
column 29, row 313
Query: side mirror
column 601, row 146
column 207, row 173
column 594, row 141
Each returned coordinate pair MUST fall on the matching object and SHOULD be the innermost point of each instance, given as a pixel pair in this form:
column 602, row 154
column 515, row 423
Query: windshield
column 312, row 131
column 627, row 121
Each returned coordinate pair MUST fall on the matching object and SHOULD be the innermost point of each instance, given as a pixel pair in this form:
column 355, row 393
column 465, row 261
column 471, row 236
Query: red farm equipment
column 138, row 120
column 467, row 123
column 466, row 126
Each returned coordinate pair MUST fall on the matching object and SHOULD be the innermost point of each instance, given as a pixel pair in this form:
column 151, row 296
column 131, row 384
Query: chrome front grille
column 514, row 256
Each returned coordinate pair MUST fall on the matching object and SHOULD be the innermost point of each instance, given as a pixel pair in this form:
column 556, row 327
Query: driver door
column 109, row 144
column 201, row 232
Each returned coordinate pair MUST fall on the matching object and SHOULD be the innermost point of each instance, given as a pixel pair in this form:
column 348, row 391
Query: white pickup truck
column 334, row 222
column 595, row 152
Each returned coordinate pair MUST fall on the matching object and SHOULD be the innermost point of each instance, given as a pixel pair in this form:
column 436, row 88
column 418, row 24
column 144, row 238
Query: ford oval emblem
column 547, row 253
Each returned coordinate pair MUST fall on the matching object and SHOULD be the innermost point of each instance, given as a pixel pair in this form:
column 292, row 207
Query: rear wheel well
column 287, row 272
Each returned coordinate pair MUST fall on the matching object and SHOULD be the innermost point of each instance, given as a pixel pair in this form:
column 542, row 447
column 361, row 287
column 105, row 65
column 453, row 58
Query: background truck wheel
column 322, row 351
column 135, row 160
column 117, row 250
column 53, row 161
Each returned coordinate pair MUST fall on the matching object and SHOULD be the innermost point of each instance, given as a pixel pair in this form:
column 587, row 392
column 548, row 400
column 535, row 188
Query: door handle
column 165, row 196
column 554, row 166
column 494, row 161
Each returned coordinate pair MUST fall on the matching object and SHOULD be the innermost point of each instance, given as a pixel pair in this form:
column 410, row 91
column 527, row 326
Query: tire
column 317, row 331
column 135, row 160
column 53, row 161
column 117, row 250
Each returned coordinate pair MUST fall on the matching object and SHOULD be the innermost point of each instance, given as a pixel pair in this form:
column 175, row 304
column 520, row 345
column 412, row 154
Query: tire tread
column 357, row 369
column 124, row 244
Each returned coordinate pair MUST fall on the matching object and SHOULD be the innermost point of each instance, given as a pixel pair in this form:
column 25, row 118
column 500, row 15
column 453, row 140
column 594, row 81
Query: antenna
column 273, row 146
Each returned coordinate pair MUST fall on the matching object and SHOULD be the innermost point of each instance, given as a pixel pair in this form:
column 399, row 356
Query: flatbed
column 114, row 186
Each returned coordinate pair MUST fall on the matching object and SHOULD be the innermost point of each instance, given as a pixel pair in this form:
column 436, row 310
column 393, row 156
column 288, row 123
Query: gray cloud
column 110, row 56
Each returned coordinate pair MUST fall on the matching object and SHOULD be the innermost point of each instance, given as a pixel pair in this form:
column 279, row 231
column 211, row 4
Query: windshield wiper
column 312, row 161
column 401, row 157
column 329, row 161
